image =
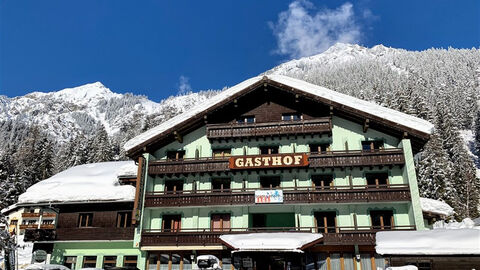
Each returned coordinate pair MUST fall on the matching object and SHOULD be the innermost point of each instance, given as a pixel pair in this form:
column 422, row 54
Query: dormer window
column 175, row 155
column 372, row 145
column 269, row 150
column 291, row 117
column 248, row 119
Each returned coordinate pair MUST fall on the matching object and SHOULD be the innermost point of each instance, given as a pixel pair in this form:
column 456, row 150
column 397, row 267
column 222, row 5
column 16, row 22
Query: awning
column 271, row 242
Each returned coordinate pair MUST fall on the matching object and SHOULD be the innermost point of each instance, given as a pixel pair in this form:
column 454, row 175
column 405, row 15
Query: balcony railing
column 49, row 215
column 47, row 226
column 28, row 226
column 330, row 159
column 235, row 130
column 30, row 215
column 94, row 233
column 293, row 195
column 209, row 237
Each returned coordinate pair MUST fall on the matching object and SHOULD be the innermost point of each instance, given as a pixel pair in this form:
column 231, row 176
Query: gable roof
column 340, row 101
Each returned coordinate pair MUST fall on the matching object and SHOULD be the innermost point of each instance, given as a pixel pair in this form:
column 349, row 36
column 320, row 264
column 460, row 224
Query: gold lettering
column 258, row 162
column 239, row 162
column 276, row 161
column 297, row 158
column 288, row 160
column 266, row 161
column 248, row 162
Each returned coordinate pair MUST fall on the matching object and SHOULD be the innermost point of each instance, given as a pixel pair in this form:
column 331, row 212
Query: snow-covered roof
column 278, row 241
column 349, row 101
column 127, row 170
column 429, row 242
column 7, row 209
column 436, row 207
column 89, row 182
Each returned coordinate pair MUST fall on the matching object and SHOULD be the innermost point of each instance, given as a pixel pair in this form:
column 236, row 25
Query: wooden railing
column 28, row 226
column 330, row 159
column 294, row 195
column 48, row 215
column 246, row 130
column 47, row 226
column 30, row 215
column 95, row 233
column 208, row 237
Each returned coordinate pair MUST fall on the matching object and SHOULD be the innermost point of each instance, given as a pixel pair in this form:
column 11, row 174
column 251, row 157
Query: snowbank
column 365, row 106
column 24, row 252
column 436, row 207
column 89, row 182
column 465, row 224
column 281, row 241
column 431, row 242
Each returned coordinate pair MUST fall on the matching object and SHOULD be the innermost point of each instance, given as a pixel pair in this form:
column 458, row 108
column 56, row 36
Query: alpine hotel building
column 276, row 173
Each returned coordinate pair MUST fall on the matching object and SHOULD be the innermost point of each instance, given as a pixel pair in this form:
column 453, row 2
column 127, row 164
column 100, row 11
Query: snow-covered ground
column 89, row 182
column 24, row 252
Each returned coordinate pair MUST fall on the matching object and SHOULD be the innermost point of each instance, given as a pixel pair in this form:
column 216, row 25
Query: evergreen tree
column 102, row 149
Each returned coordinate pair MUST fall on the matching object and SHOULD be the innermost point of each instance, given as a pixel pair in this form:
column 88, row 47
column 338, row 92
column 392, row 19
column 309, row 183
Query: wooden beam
column 366, row 125
column 178, row 137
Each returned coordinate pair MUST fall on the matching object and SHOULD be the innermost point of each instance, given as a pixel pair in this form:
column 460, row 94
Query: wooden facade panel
column 94, row 233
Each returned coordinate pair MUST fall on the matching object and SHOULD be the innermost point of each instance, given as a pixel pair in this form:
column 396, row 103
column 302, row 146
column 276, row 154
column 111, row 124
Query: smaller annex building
column 269, row 159
column 80, row 218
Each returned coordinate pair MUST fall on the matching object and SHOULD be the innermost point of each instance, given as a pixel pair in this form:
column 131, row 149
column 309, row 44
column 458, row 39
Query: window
column 259, row 220
column 220, row 222
column 173, row 186
column 70, row 261
column 14, row 222
column 89, row 261
column 246, row 119
column 377, row 179
column 109, row 261
column 85, row 220
column 171, row 223
column 268, row 150
column 372, row 145
column 326, row 222
column 47, row 221
column 322, row 181
column 221, row 153
column 31, row 222
column 319, row 147
column 124, row 219
column 291, row 117
column 269, row 181
column 130, row 261
column 221, row 184
column 382, row 220
column 175, row 155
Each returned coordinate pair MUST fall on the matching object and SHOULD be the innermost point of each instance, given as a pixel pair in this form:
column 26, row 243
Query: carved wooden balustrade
column 209, row 237
column 283, row 128
column 329, row 159
column 303, row 195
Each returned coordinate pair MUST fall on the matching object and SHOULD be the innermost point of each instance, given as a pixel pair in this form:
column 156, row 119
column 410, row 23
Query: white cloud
column 184, row 85
column 304, row 30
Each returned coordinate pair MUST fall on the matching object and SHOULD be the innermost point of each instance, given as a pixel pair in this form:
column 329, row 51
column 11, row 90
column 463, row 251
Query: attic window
column 291, row 117
column 246, row 119
column 372, row 145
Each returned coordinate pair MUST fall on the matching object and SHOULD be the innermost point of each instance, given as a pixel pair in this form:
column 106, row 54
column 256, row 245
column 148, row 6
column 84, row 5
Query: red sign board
column 268, row 161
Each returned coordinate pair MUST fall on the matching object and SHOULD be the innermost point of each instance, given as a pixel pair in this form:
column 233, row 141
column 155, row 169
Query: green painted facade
column 346, row 135
column 96, row 248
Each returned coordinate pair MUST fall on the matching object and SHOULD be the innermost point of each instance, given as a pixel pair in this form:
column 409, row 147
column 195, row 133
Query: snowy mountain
column 70, row 111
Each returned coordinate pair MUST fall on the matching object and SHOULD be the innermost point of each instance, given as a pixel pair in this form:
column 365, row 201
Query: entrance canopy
column 271, row 242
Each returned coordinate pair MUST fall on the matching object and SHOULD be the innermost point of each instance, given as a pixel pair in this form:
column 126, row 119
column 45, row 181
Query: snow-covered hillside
column 79, row 109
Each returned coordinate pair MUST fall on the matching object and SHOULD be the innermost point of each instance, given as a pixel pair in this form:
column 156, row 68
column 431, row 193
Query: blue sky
column 157, row 48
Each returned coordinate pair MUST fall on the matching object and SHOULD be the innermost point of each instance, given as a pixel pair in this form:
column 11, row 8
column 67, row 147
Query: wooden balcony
column 207, row 237
column 331, row 159
column 299, row 195
column 49, row 215
column 94, row 233
column 28, row 226
column 47, row 226
column 30, row 215
column 250, row 130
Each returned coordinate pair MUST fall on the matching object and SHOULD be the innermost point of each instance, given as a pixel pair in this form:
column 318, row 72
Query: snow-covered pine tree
column 101, row 147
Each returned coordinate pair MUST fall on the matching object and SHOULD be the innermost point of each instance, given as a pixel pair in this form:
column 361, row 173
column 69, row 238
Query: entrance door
column 171, row 223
